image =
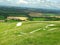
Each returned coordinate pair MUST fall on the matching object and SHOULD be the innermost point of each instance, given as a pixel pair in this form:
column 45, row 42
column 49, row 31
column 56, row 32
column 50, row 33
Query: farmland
column 35, row 14
column 30, row 33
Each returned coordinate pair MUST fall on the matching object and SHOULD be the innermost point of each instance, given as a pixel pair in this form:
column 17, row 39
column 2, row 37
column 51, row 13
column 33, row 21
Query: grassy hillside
column 30, row 33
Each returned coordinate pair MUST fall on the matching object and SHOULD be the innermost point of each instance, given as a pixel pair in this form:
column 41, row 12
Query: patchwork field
column 30, row 33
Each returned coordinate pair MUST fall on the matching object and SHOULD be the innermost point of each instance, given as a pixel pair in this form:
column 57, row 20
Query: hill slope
column 30, row 33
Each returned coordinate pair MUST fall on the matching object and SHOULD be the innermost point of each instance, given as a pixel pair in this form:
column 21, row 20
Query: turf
column 10, row 34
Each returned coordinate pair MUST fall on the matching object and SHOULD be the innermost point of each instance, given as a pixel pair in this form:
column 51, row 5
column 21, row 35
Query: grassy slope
column 12, row 35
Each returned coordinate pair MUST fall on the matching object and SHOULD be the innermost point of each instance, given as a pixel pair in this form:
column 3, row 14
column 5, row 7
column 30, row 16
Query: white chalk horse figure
column 19, row 24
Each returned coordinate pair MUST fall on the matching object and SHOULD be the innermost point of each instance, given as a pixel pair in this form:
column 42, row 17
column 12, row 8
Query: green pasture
column 30, row 33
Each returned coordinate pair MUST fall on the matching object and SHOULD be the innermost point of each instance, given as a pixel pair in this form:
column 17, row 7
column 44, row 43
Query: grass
column 10, row 34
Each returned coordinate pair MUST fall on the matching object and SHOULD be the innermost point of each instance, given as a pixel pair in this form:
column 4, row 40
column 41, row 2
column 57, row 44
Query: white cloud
column 22, row 2
column 32, row 3
column 1, row 0
column 8, row 0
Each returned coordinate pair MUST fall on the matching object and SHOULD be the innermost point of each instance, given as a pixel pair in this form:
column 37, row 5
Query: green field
column 30, row 33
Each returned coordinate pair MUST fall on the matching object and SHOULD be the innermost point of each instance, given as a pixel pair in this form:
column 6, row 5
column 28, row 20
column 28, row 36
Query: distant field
column 30, row 33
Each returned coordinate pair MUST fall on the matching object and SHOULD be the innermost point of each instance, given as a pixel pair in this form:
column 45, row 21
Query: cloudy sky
column 54, row 4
